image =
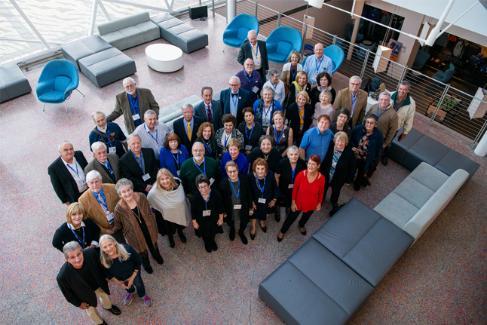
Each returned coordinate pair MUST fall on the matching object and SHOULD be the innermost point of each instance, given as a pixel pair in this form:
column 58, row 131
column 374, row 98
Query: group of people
column 265, row 148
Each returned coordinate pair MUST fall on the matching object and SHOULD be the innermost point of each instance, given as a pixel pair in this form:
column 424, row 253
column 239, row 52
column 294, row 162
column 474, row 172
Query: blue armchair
column 336, row 54
column 281, row 42
column 57, row 81
column 236, row 32
column 445, row 76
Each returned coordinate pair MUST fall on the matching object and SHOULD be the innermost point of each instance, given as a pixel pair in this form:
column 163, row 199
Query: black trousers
column 360, row 179
column 292, row 216
column 230, row 220
column 335, row 193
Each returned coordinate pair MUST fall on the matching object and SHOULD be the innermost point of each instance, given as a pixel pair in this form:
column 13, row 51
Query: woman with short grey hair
column 135, row 218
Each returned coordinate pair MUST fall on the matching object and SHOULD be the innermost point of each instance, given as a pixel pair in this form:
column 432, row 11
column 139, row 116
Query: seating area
column 12, row 82
column 281, row 42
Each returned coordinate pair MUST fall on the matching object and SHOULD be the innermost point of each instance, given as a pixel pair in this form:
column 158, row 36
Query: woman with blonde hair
column 122, row 266
column 300, row 84
column 167, row 197
column 85, row 232
column 300, row 115
column 290, row 69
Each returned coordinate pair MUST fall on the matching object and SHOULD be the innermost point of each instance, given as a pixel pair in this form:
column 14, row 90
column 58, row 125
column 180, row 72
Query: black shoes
column 171, row 241
column 263, row 226
column 252, row 235
column 302, row 230
column 214, row 246
column 115, row 310
column 159, row 258
column 277, row 215
column 208, row 247
column 148, row 268
column 243, row 238
column 182, row 237
column 232, row 234
column 280, row 236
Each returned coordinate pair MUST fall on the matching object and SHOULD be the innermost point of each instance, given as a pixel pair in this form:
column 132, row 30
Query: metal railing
column 429, row 94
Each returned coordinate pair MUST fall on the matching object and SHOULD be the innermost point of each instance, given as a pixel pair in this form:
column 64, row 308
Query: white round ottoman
column 164, row 57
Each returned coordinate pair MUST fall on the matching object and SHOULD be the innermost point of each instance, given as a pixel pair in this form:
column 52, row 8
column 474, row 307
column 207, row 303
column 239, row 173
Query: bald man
column 257, row 51
column 234, row 99
column 132, row 104
column 316, row 63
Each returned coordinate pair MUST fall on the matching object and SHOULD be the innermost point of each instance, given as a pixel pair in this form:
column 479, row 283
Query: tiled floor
column 440, row 280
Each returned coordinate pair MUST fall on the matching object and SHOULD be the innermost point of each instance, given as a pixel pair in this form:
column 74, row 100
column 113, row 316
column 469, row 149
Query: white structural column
column 231, row 9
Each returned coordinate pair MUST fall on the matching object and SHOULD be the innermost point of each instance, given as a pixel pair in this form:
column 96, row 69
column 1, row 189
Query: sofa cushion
column 166, row 24
column 13, row 83
column 364, row 240
column 396, row 209
column 181, row 28
column 122, row 23
column 162, row 17
column 429, row 150
column 454, row 160
column 413, row 191
column 429, row 176
column 84, row 47
column 133, row 35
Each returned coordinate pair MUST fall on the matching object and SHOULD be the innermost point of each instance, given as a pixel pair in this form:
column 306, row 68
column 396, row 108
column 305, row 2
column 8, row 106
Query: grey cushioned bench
column 129, row 31
column 98, row 60
column 13, row 83
column 180, row 34
column 330, row 276
column 417, row 148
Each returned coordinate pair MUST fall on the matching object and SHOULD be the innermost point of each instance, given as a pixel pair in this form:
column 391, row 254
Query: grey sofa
column 417, row 148
column 98, row 60
column 331, row 275
column 130, row 31
column 179, row 33
column 13, row 83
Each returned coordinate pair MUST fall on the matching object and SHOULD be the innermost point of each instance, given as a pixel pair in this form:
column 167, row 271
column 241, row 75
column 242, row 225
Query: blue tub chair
column 281, row 42
column 336, row 54
column 57, row 81
column 236, row 32
column 445, row 76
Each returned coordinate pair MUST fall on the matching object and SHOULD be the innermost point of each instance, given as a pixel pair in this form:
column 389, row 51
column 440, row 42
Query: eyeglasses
column 232, row 171
column 234, row 85
column 355, row 84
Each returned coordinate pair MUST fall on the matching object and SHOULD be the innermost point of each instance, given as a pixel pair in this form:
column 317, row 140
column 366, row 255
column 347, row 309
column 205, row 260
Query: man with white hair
column 255, row 50
column 387, row 122
column 187, row 126
column 132, row 104
column 197, row 165
column 105, row 164
column 99, row 202
column 234, row 99
column 109, row 133
column 67, row 175
column 250, row 78
column 354, row 99
column 152, row 133
column 316, row 63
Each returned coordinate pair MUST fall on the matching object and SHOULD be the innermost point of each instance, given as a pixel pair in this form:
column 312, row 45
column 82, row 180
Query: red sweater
column 308, row 195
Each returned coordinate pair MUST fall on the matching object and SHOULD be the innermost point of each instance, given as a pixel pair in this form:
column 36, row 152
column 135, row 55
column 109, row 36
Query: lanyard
column 83, row 243
column 261, row 188
column 235, row 192
column 150, row 134
column 100, row 197
column 176, row 159
column 198, row 167
column 206, row 202
column 225, row 139
column 140, row 162
column 278, row 135
column 256, row 50
column 74, row 170
column 318, row 66
column 248, row 134
column 293, row 173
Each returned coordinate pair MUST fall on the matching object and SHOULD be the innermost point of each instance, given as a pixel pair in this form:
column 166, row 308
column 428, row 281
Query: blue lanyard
column 176, row 157
column 140, row 162
column 235, row 192
column 83, row 243
column 150, row 134
column 318, row 66
column 248, row 135
column 198, row 167
column 134, row 104
column 293, row 173
column 206, row 202
column 74, row 170
column 278, row 136
column 100, row 197
column 225, row 139
column 261, row 188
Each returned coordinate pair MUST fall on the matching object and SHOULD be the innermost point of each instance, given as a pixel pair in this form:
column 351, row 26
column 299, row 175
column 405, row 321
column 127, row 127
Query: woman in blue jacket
column 173, row 154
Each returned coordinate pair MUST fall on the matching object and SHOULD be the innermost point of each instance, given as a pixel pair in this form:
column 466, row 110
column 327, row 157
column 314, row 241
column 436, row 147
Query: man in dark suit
column 139, row 165
column 105, row 164
column 234, row 99
column 82, row 282
column 67, row 175
column 187, row 126
column 209, row 110
column 132, row 104
column 257, row 51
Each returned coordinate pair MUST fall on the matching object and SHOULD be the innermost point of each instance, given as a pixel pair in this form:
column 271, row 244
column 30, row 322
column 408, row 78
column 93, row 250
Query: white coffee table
column 164, row 57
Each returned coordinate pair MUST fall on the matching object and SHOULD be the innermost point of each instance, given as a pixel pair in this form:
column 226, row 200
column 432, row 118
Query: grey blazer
column 105, row 176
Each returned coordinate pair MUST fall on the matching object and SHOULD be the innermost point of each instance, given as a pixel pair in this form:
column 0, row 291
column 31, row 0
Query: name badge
column 206, row 213
column 237, row 206
column 261, row 200
column 290, row 186
column 145, row 177
column 178, row 172
column 136, row 117
column 112, row 150
column 110, row 217
column 255, row 89
column 248, row 148
column 212, row 180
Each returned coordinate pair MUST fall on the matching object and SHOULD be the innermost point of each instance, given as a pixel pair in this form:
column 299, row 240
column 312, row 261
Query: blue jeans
column 138, row 286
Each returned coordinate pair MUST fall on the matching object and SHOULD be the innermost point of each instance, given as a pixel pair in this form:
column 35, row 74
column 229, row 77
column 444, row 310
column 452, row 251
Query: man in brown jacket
column 132, row 104
column 387, row 123
column 354, row 99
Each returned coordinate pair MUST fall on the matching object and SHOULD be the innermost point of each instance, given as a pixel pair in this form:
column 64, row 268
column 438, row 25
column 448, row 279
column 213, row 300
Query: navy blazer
column 179, row 128
column 167, row 159
column 246, row 53
column 200, row 113
column 63, row 183
column 129, row 168
column 246, row 98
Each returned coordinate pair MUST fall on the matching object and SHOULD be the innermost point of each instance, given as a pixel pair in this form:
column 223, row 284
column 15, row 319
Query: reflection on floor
column 437, row 281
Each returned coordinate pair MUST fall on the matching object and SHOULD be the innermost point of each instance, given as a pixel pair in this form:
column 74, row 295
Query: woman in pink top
column 308, row 189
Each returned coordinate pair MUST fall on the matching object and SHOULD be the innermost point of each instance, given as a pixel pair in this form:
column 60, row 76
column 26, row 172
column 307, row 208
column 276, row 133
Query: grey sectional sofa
column 130, row 31
column 179, row 33
column 13, row 83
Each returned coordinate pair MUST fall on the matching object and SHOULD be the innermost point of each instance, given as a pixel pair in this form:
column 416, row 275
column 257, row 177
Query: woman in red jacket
column 308, row 189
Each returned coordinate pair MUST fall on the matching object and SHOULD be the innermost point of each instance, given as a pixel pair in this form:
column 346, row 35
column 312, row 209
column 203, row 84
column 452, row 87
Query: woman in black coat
column 300, row 116
column 267, row 152
column 207, row 212
column 264, row 194
column 367, row 143
column 251, row 130
column 85, row 232
column 206, row 135
column 339, row 168
column 288, row 168
column 237, row 200
column 324, row 84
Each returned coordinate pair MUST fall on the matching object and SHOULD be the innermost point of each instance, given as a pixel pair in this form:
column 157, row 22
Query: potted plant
column 447, row 105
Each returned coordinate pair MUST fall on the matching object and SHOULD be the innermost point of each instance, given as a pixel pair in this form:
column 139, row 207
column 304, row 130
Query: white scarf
column 171, row 204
